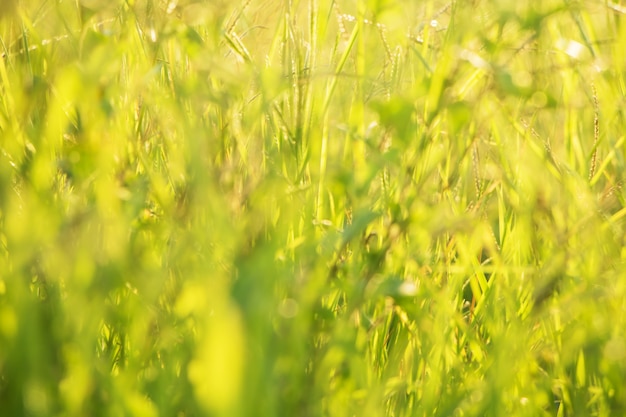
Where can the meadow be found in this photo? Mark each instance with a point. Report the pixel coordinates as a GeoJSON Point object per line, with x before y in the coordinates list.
{"type": "Point", "coordinates": [312, 208]}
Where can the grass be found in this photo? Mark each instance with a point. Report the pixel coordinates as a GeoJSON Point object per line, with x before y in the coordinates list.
{"type": "Point", "coordinates": [312, 208]}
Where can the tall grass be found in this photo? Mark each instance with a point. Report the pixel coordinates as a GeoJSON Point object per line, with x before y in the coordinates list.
{"type": "Point", "coordinates": [312, 208]}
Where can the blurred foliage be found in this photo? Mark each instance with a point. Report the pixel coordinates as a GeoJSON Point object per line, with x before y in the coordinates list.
{"type": "Point", "coordinates": [337, 208]}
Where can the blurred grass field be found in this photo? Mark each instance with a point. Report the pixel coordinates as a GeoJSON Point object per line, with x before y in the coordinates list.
{"type": "Point", "coordinates": [312, 208]}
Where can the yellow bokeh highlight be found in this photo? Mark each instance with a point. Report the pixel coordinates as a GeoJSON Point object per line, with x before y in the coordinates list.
{"type": "Point", "coordinates": [8, 322]}
{"type": "Point", "coordinates": [141, 406]}
{"type": "Point", "coordinates": [77, 384]}
{"type": "Point", "coordinates": [217, 370]}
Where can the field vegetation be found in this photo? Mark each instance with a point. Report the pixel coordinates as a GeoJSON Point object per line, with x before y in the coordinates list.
{"type": "Point", "coordinates": [312, 208]}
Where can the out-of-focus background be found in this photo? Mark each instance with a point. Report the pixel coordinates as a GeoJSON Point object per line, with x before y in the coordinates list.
{"type": "Point", "coordinates": [312, 208]}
